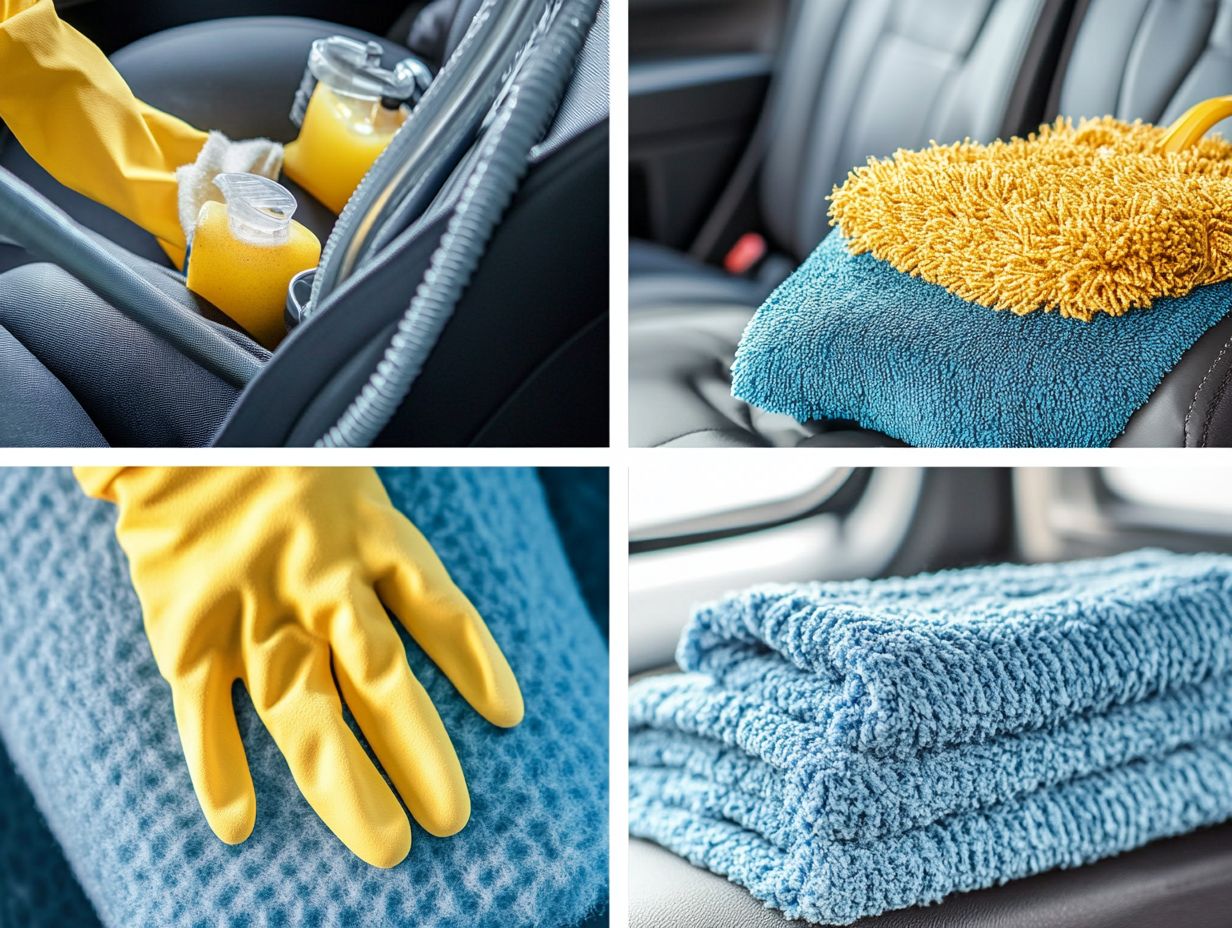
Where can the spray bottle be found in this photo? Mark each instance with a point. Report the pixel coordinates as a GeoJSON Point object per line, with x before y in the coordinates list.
{"type": "Point", "coordinates": [245, 250]}
{"type": "Point", "coordinates": [348, 108]}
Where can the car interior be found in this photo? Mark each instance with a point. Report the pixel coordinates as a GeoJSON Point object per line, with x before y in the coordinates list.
{"type": "Point", "coordinates": [744, 114]}
{"type": "Point", "coordinates": [490, 227]}
{"type": "Point", "coordinates": [692, 540]}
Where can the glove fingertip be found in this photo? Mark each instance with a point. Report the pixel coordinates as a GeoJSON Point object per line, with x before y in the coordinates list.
{"type": "Point", "coordinates": [233, 824]}
{"type": "Point", "coordinates": [445, 816]}
{"type": "Point", "coordinates": [389, 852]}
{"type": "Point", "coordinates": [507, 710]}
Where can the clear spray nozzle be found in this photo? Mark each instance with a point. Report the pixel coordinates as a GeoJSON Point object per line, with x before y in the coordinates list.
{"type": "Point", "coordinates": [259, 210]}
{"type": "Point", "coordinates": [354, 69]}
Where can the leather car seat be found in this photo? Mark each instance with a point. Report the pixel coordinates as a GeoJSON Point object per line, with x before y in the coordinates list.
{"type": "Point", "coordinates": [855, 80]}
{"type": "Point", "coordinates": [1152, 60]}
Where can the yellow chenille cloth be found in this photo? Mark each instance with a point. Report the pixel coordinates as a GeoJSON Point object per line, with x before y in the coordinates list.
{"type": "Point", "coordinates": [1077, 218]}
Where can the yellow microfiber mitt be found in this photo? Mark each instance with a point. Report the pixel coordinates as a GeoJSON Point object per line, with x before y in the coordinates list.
{"type": "Point", "coordinates": [1078, 218]}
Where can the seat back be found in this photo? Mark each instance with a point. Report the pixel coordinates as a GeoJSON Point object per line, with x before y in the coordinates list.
{"type": "Point", "coordinates": [1145, 59]}
{"type": "Point", "coordinates": [523, 359]}
{"type": "Point", "coordinates": [862, 78]}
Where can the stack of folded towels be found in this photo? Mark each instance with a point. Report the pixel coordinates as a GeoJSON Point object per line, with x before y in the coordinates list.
{"type": "Point", "coordinates": [843, 749]}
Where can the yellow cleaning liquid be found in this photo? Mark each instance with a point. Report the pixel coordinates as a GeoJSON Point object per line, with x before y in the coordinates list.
{"type": "Point", "coordinates": [246, 276]}
{"type": "Point", "coordinates": [340, 138]}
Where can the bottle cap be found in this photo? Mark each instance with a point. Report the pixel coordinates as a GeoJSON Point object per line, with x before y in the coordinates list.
{"type": "Point", "coordinates": [354, 69]}
{"type": "Point", "coordinates": [259, 210]}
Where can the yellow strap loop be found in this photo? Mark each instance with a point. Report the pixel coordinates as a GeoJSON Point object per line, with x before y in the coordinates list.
{"type": "Point", "coordinates": [1196, 122]}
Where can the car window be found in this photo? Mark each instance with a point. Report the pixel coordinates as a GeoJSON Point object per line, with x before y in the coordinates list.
{"type": "Point", "coordinates": [1202, 489]}
{"type": "Point", "coordinates": [662, 492]}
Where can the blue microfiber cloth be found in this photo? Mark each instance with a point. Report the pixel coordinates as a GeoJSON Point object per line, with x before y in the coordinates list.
{"type": "Point", "coordinates": [88, 723]}
{"type": "Point", "coordinates": [851, 338]}
{"type": "Point", "coordinates": [843, 749]}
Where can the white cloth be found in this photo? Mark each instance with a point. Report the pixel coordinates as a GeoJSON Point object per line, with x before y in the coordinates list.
{"type": "Point", "coordinates": [220, 155]}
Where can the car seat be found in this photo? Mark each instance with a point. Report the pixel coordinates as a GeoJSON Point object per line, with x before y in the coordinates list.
{"type": "Point", "coordinates": [1152, 60]}
{"type": "Point", "coordinates": [1139, 59]}
{"type": "Point", "coordinates": [522, 362]}
{"type": "Point", "coordinates": [854, 80]}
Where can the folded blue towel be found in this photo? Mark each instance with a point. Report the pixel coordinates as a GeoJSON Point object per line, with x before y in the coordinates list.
{"type": "Point", "coordinates": [88, 723]}
{"type": "Point", "coordinates": [842, 749]}
{"type": "Point", "coordinates": [901, 664]}
{"type": "Point", "coordinates": [851, 338]}
{"type": "Point", "coordinates": [838, 882]}
{"type": "Point", "coordinates": [737, 737]}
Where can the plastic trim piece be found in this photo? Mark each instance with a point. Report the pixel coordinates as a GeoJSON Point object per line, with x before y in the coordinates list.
{"type": "Point", "coordinates": [837, 494]}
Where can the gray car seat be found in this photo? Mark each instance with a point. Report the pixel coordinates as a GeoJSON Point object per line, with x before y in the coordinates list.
{"type": "Point", "coordinates": [856, 79]}
{"type": "Point", "coordinates": [1147, 59]}
{"type": "Point", "coordinates": [1152, 60]}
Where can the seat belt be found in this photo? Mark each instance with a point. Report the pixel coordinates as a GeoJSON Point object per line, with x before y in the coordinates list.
{"type": "Point", "coordinates": [738, 186]}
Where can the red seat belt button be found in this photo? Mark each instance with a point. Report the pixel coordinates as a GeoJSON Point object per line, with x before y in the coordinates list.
{"type": "Point", "coordinates": [743, 256]}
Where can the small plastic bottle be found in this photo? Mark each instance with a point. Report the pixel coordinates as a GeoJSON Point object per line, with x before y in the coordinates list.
{"type": "Point", "coordinates": [245, 251]}
{"type": "Point", "coordinates": [354, 110]}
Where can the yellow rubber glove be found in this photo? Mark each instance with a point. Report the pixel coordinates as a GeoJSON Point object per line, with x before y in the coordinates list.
{"type": "Point", "coordinates": [73, 114]}
{"type": "Point", "coordinates": [280, 578]}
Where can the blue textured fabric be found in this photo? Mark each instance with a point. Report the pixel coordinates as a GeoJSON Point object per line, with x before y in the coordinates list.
{"type": "Point", "coordinates": [578, 498]}
{"type": "Point", "coordinates": [37, 888]}
{"type": "Point", "coordinates": [88, 723]}
{"type": "Point", "coordinates": [851, 338]}
{"type": "Point", "coordinates": [846, 748]}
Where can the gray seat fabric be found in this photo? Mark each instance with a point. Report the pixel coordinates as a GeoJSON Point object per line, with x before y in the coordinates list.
{"type": "Point", "coordinates": [856, 80]}
{"type": "Point", "coordinates": [136, 389]}
{"type": "Point", "coordinates": [38, 409]}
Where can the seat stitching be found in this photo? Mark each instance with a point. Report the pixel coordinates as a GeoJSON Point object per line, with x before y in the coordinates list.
{"type": "Point", "coordinates": [1213, 407]}
{"type": "Point", "coordinates": [1210, 370]}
